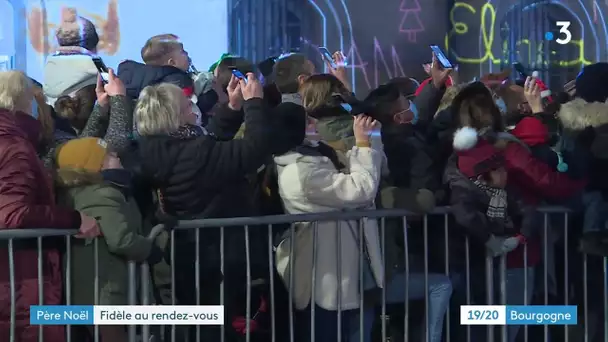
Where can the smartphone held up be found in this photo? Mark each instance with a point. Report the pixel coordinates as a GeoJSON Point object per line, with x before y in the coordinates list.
{"type": "Point", "coordinates": [327, 57]}
{"type": "Point", "coordinates": [102, 68]}
{"type": "Point", "coordinates": [442, 58]}
{"type": "Point", "coordinates": [238, 74]}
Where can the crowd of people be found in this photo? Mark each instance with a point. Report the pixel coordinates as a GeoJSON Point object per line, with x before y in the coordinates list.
{"type": "Point", "coordinates": [159, 141]}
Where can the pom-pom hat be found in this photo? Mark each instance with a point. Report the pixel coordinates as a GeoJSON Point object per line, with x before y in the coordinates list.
{"type": "Point", "coordinates": [76, 31]}
{"type": "Point", "coordinates": [475, 156]}
{"type": "Point", "coordinates": [545, 93]}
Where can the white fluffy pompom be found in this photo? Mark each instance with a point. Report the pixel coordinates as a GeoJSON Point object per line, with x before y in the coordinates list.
{"type": "Point", "coordinates": [535, 74]}
{"type": "Point", "coordinates": [465, 138]}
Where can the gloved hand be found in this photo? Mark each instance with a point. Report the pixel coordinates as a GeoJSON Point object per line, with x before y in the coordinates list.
{"type": "Point", "coordinates": [499, 245]}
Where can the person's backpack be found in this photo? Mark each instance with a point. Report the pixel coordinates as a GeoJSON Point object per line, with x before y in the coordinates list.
{"type": "Point", "coordinates": [268, 199]}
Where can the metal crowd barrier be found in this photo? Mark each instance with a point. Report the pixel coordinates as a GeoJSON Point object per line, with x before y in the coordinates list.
{"type": "Point", "coordinates": [141, 283]}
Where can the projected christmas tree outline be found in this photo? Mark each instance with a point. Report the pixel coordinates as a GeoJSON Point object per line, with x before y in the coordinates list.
{"type": "Point", "coordinates": [411, 22]}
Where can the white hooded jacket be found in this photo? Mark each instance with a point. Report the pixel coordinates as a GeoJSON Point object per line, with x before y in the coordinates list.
{"type": "Point", "coordinates": [66, 74]}
{"type": "Point", "coordinates": [312, 184]}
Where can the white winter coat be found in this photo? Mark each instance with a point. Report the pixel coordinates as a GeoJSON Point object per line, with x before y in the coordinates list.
{"type": "Point", "coordinates": [312, 184]}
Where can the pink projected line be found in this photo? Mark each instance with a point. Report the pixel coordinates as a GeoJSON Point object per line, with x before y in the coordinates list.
{"type": "Point", "coordinates": [381, 68]}
{"type": "Point", "coordinates": [411, 22]}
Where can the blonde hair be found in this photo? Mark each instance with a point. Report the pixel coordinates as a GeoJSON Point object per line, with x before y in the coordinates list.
{"type": "Point", "coordinates": [44, 116]}
{"type": "Point", "coordinates": [157, 49]}
{"type": "Point", "coordinates": [318, 90]}
{"type": "Point", "coordinates": [15, 91]}
{"type": "Point", "coordinates": [158, 109]}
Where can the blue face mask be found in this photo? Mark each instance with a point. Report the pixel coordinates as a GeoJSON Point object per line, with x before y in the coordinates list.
{"type": "Point", "coordinates": [34, 109]}
{"type": "Point", "coordinates": [502, 106]}
{"type": "Point", "coordinates": [347, 107]}
{"type": "Point", "coordinates": [414, 111]}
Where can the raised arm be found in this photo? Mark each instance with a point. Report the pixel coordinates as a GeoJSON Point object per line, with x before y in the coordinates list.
{"type": "Point", "coordinates": [234, 159]}
{"type": "Point", "coordinates": [325, 185]}
{"type": "Point", "coordinates": [112, 117]}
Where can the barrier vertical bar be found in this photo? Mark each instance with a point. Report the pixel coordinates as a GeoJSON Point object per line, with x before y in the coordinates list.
{"type": "Point", "coordinates": [425, 227]}
{"type": "Point", "coordinates": [197, 274]}
{"type": "Point", "coordinates": [406, 311]}
{"type": "Point", "coordinates": [145, 296]}
{"type": "Point", "coordinates": [447, 271]}
{"type": "Point", "coordinates": [68, 281]}
{"type": "Point", "coordinates": [313, 280]}
{"type": "Point", "coordinates": [339, 267]}
{"type": "Point", "coordinates": [585, 299]}
{"type": "Point", "coordinates": [526, 289]}
{"type": "Point", "coordinates": [271, 277]}
{"type": "Point", "coordinates": [11, 281]}
{"type": "Point", "coordinates": [605, 266]}
{"type": "Point", "coordinates": [40, 286]}
{"type": "Point", "coordinates": [383, 245]}
{"type": "Point", "coordinates": [173, 287]}
{"type": "Point", "coordinates": [132, 269]}
{"type": "Point", "coordinates": [566, 270]}
{"type": "Point", "coordinates": [248, 290]}
{"type": "Point", "coordinates": [545, 270]}
{"type": "Point", "coordinates": [223, 271]}
{"type": "Point", "coordinates": [467, 275]}
{"type": "Point", "coordinates": [362, 258]}
{"type": "Point", "coordinates": [96, 284]}
{"type": "Point", "coordinates": [503, 292]}
{"type": "Point", "coordinates": [292, 245]}
{"type": "Point", "coordinates": [489, 293]}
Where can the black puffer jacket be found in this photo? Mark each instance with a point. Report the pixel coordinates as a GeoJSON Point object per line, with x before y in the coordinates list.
{"type": "Point", "coordinates": [193, 173]}
{"type": "Point", "coordinates": [203, 177]}
{"type": "Point", "coordinates": [411, 160]}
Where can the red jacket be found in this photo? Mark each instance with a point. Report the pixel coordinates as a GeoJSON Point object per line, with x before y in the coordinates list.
{"type": "Point", "coordinates": [448, 83]}
{"type": "Point", "coordinates": [535, 181]}
{"type": "Point", "coordinates": [27, 201]}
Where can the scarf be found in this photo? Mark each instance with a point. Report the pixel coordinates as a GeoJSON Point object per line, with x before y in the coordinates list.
{"type": "Point", "coordinates": [293, 98]}
{"type": "Point", "coordinates": [497, 208]}
{"type": "Point", "coordinates": [120, 178]}
{"type": "Point", "coordinates": [189, 132]}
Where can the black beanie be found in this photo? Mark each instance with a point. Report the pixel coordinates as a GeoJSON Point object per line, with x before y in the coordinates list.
{"type": "Point", "coordinates": [591, 84]}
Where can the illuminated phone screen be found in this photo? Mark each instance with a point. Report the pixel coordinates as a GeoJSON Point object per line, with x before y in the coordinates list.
{"type": "Point", "coordinates": [441, 57]}
{"type": "Point", "coordinates": [239, 74]}
{"type": "Point", "coordinates": [328, 57]}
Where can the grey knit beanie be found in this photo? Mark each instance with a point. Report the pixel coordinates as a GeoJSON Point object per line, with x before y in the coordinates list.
{"type": "Point", "coordinates": [76, 31]}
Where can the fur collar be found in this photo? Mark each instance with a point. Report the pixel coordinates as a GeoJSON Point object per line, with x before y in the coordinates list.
{"type": "Point", "coordinates": [578, 114]}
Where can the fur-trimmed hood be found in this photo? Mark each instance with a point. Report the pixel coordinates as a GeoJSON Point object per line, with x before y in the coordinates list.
{"type": "Point", "coordinates": [579, 114]}
{"type": "Point", "coordinates": [448, 97]}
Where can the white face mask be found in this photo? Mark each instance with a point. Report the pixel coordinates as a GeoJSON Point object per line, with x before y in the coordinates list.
{"type": "Point", "coordinates": [502, 106]}
{"type": "Point", "coordinates": [197, 112]}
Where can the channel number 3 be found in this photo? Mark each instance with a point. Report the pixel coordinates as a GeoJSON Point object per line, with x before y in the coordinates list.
{"type": "Point", "coordinates": [564, 32]}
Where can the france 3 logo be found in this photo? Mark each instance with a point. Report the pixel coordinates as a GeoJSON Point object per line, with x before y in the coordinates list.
{"type": "Point", "coordinates": [564, 37]}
